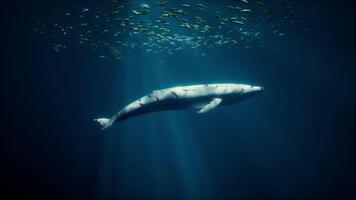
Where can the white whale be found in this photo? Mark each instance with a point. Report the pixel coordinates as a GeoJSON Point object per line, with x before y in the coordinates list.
{"type": "Point", "coordinates": [203, 97]}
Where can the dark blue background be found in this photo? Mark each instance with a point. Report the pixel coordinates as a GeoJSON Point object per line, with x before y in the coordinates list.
{"type": "Point", "coordinates": [294, 141]}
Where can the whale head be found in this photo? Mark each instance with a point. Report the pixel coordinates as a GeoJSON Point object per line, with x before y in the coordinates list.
{"type": "Point", "coordinates": [242, 91]}
{"type": "Point", "coordinates": [249, 89]}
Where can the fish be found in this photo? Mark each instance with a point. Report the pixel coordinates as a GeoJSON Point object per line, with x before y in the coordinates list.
{"type": "Point", "coordinates": [115, 12]}
{"type": "Point", "coordinates": [162, 3]}
{"type": "Point", "coordinates": [137, 12]}
{"type": "Point", "coordinates": [144, 6]}
{"type": "Point", "coordinates": [203, 97]}
{"type": "Point", "coordinates": [200, 6]}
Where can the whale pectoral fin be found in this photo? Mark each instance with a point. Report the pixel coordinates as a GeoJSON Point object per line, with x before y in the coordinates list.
{"type": "Point", "coordinates": [211, 105]}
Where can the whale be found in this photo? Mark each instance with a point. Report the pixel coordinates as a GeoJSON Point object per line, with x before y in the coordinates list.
{"type": "Point", "coordinates": [203, 97]}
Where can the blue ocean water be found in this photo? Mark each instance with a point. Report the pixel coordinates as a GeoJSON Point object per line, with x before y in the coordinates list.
{"type": "Point", "coordinates": [293, 141]}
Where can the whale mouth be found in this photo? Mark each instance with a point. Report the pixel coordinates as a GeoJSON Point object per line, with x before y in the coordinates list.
{"type": "Point", "coordinates": [254, 90]}
{"type": "Point", "coordinates": [257, 89]}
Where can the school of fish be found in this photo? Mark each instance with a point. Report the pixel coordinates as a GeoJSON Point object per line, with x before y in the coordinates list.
{"type": "Point", "coordinates": [166, 27]}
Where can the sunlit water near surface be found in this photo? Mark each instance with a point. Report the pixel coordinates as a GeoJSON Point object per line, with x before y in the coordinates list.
{"type": "Point", "coordinates": [293, 141]}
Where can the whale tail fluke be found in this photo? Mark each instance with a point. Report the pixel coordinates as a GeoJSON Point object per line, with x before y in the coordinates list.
{"type": "Point", "coordinates": [104, 122]}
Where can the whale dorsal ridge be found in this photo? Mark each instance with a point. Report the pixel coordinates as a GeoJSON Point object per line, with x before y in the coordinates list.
{"type": "Point", "coordinates": [211, 105]}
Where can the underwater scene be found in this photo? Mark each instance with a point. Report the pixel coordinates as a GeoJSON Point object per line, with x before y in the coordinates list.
{"type": "Point", "coordinates": [178, 99]}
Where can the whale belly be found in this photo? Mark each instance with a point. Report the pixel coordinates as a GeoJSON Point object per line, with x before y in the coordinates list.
{"type": "Point", "coordinates": [162, 105]}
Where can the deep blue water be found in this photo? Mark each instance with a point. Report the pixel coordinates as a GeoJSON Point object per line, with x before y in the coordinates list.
{"type": "Point", "coordinates": [293, 141]}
